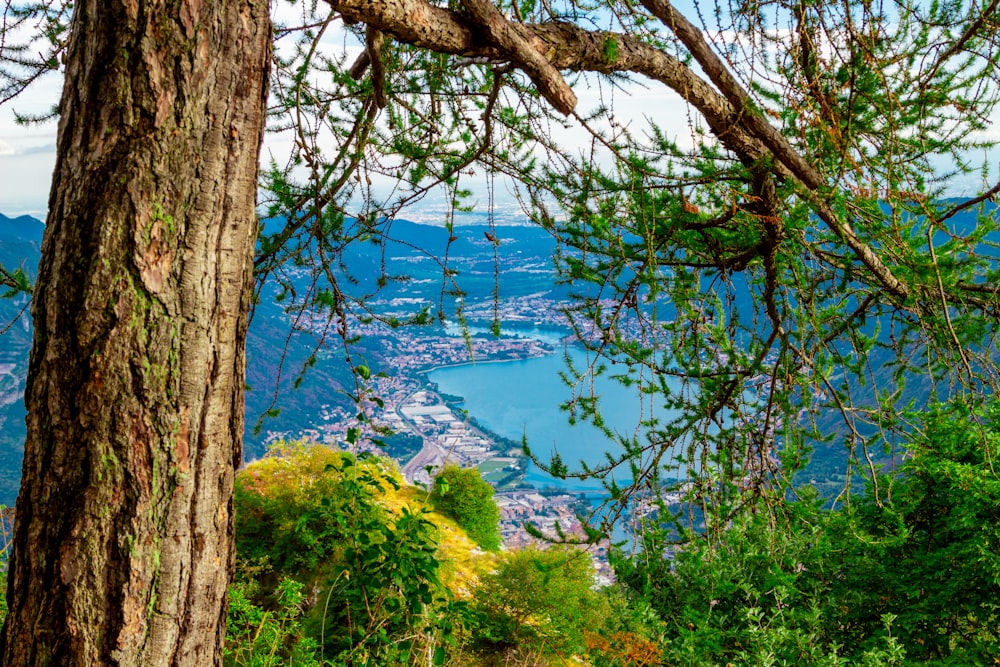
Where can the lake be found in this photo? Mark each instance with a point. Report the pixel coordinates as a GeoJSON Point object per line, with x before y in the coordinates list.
{"type": "Point", "coordinates": [517, 398]}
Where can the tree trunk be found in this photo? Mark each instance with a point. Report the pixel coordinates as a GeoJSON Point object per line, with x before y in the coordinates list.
{"type": "Point", "coordinates": [123, 540]}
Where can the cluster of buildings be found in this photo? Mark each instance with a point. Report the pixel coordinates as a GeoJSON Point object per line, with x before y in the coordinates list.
{"type": "Point", "coordinates": [534, 309]}
{"type": "Point", "coordinates": [407, 405]}
{"type": "Point", "coordinates": [552, 515]}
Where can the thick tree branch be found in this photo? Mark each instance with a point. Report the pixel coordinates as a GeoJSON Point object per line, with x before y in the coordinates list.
{"type": "Point", "coordinates": [776, 144]}
{"type": "Point", "coordinates": [564, 46]}
{"type": "Point", "coordinates": [517, 42]}
{"type": "Point", "coordinates": [373, 47]}
{"type": "Point", "coordinates": [569, 47]}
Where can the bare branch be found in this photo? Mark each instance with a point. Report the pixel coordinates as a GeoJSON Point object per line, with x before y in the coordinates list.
{"type": "Point", "coordinates": [360, 65]}
{"type": "Point", "coordinates": [969, 203]}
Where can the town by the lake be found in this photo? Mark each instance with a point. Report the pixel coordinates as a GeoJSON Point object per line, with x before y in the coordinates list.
{"type": "Point", "coordinates": [408, 403]}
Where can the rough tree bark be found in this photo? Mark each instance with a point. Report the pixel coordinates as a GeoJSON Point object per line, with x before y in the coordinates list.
{"type": "Point", "coordinates": [123, 542]}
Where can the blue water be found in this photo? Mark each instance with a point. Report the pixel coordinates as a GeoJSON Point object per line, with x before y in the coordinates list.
{"type": "Point", "coordinates": [523, 398]}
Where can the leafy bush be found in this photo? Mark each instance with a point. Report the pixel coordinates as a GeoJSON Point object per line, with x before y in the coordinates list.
{"type": "Point", "coordinates": [631, 635]}
{"type": "Point", "coordinates": [259, 638]}
{"type": "Point", "coordinates": [924, 545]}
{"type": "Point", "coordinates": [383, 595]}
{"type": "Point", "coordinates": [330, 572]}
{"type": "Point", "coordinates": [318, 517]}
{"type": "Point", "coordinates": [295, 507]}
{"type": "Point", "coordinates": [467, 498]}
{"type": "Point", "coordinates": [539, 601]}
{"type": "Point", "coordinates": [908, 571]}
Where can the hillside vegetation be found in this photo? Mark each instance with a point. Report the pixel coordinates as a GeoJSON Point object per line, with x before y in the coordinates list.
{"type": "Point", "coordinates": [341, 563]}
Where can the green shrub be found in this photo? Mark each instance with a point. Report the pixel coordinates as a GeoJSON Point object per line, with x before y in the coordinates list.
{"type": "Point", "coordinates": [309, 516]}
{"type": "Point", "coordinates": [295, 507]}
{"type": "Point", "coordinates": [259, 638]}
{"type": "Point", "coordinates": [908, 571]}
{"type": "Point", "coordinates": [466, 497]}
{"type": "Point", "coordinates": [539, 601]}
{"type": "Point", "coordinates": [924, 545]}
{"type": "Point", "coordinates": [383, 594]}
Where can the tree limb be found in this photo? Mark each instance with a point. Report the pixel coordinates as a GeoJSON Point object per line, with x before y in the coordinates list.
{"type": "Point", "coordinates": [373, 46]}
{"type": "Point", "coordinates": [776, 144]}
{"type": "Point", "coordinates": [568, 47]}
{"type": "Point", "coordinates": [564, 46]}
{"type": "Point", "coordinates": [516, 41]}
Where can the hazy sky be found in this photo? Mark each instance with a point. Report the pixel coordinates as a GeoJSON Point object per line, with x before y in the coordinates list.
{"type": "Point", "coordinates": [27, 154]}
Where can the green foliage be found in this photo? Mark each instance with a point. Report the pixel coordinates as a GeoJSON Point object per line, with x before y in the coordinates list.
{"type": "Point", "coordinates": [259, 638]}
{"type": "Point", "coordinates": [467, 498]}
{"type": "Point", "coordinates": [380, 599]}
{"type": "Point", "coordinates": [632, 633]}
{"type": "Point", "coordinates": [924, 545]}
{"type": "Point", "coordinates": [309, 516]}
{"type": "Point", "coordinates": [15, 282]}
{"type": "Point", "coordinates": [538, 601]}
{"type": "Point", "coordinates": [33, 37]}
{"type": "Point", "coordinates": [295, 507]}
{"type": "Point", "coordinates": [3, 596]}
{"type": "Point", "coordinates": [911, 569]}
{"type": "Point", "coordinates": [741, 597]}
{"type": "Point", "coordinates": [907, 572]}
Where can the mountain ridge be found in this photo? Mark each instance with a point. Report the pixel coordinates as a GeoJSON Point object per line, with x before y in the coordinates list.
{"type": "Point", "coordinates": [272, 370]}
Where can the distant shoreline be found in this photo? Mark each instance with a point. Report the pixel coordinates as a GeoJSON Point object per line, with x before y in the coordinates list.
{"type": "Point", "coordinates": [431, 369]}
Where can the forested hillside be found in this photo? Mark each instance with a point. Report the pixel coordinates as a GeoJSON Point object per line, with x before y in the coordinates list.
{"type": "Point", "coordinates": [339, 562]}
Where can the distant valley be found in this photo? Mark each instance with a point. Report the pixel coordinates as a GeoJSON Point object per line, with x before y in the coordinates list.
{"type": "Point", "coordinates": [300, 382]}
{"type": "Point", "coordinates": [289, 398]}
